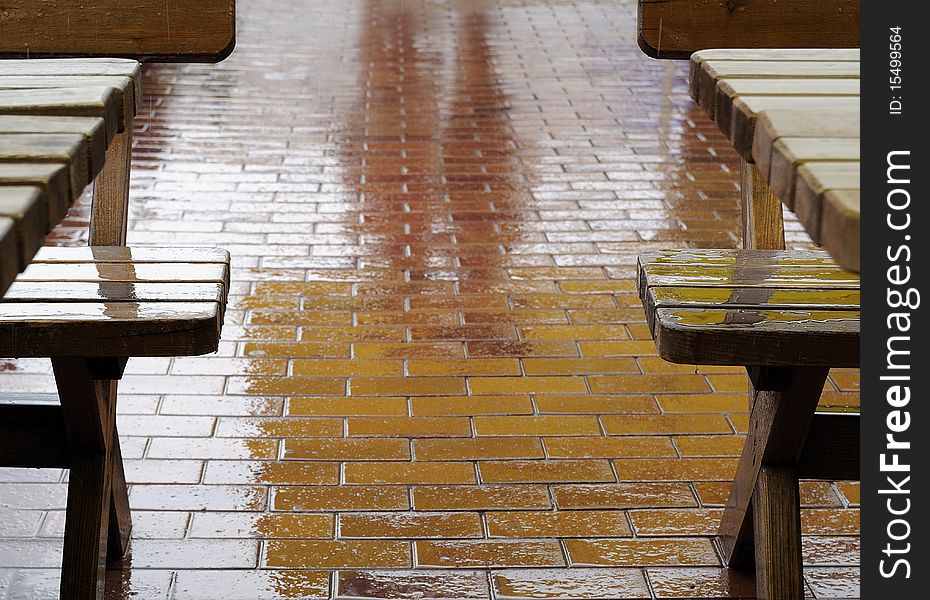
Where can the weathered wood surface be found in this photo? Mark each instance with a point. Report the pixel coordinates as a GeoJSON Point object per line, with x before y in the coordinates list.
{"type": "Point", "coordinates": [64, 123]}
{"type": "Point", "coordinates": [26, 206]}
{"type": "Point", "coordinates": [119, 308]}
{"type": "Point", "coordinates": [803, 136]}
{"type": "Point", "coordinates": [169, 31]}
{"type": "Point", "coordinates": [51, 178]}
{"type": "Point", "coordinates": [676, 28]}
{"type": "Point", "coordinates": [758, 312]}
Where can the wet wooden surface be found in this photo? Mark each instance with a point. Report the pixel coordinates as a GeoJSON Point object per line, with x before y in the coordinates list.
{"type": "Point", "coordinates": [777, 308]}
{"type": "Point", "coordinates": [676, 28]}
{"type": "Point", "coordinates": [96, 308]}
{"type": "Point", "coordinates": [796, 117]}
{"type": "Point", "coordinates": [57, 120]}
{"type": "Point", "coordinates": [173, 30]}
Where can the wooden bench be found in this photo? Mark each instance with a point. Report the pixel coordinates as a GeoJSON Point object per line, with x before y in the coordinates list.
{"type": "Point", "coordinates": [786, 316]}
{"type": "Point", "coordinates": [89, 309]}
{"type": "Point", "coordinates": [66, 122]}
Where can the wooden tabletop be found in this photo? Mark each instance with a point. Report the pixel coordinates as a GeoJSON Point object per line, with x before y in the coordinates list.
{"type": "Point", "coordinates": [795, 114]}
{"type": "Point", "coordinates": [57, 119]}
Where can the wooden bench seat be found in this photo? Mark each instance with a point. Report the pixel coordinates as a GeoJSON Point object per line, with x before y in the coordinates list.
{"type": "Point", "coordinates": [788, 316]}
{"type": "Point", "coordinates": [90, 309]}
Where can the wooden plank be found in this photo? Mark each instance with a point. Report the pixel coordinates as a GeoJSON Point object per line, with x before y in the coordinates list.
{"type": "Point", "coordinates": [676, 28]}
{"type": "Point", "coordinates": [775, 124]}
{"type": "Point", "coordinates": [85, 291]}
{"type": "Point", "coordinates": [9, 259]}
{"type": "Point", "coordinates": [77, 67]}
{"type": "Point", "coordinates": [60, 254]}
{"type": "Point", "coordinates": [778, 54]}
{"type": "Point", "coordinates": [735, 297]}
{"type": "Point", "coordinates": [840, 226]}
{"type": "Point", "coordinates": [727, 89]}
{"type": "Point", "coordinates": [109, 329]}
{"type": "Point", "coordinates": [172, 30]}
{"type": "Point", "coordinates": [68, 149]}
{"type": "Point", "coordinates": [748, 276]}
{"type": "Point", "coordinates": [92, 128]}
{"type": "Point", "coordinates": [812, 182]}
{"type": "Point", "coordinates": [29, 212]}
{"type": "Point", "coordinates": [789, 153]}
{"type": "Point", "coordinates": [827, 338]}
{"type": "Point", "coordinates": [68, 102]}
{"type": "Point", "coordinates": [126, 272]}
{"type": "Point", "coordinates": [739, 118]}
{"type": "Point", "coordinates": [123, 87]}
{"type": "Point", "coordinates": [52, 178]}
{"type": "Point", "coordinates": [712, 71]}
{"type": "Point", "coordinates": [708, 256]}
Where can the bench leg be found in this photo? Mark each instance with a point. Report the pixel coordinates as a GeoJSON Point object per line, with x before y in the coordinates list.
{"type": "Point", "coordinates": [784, 401]}
{"type": "Point", "coordinates": [763, 222]}
{"type": "Point", "coordinates": [120, 518]}
{"type": "Point", "coordinates": [777, 525]}
{"type": "Point", "coordinates": [90, 414]}
{"type": "Point", "coordinates": [110, 209]}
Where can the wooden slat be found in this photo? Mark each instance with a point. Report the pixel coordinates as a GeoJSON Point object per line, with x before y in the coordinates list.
{"type": "Point", "coordinates": [707, 256]}
{"type": "Point", "coordinates": [92, 128]}
{"type": "Point", "coordinates": [58, 254]}
{"type": "Point", "coordinates": [676, 28]}
{"type": "Point", "coordinates": [827, 338]}
{"type": "Point", "coordinates": [840, 226]}
{"type": "Point", "coordinates": [50, 177]}
{"type": "Point", "coordinates": [69, 102]}
{"type": "Point", "coordinates": [789, 153]}
{"type": "Point", "coordinates": [29, 211]}
{"type": "Point", "coordinates": [733, 297]}
{"type": "Point", "coordinates": [77, 67]}
{"type": "Point", "coordinates": [126, 272]}
{"type": "Point", "coordinates": [739, 118]}
{"type": "Point", "coordinates": [66, 149]}
{"type": "Point", "coordinates": [123, 87]}
{"type": "Point", "coordinates": [774, 124]}
{"type": "Point", "coordinates": [727, 89]}
{"type": "Point", "coordinates": [778, 54]}
{"type": "Point", "coordinates": [749, 276]}
{"type": "Point", "coordinates": [103, 329]}
{"type": "Point", "coordinates": [82, 291]}
{"type": "Point", "coordinates": [812, 182]}
{"type": "Point", "coordinates": [711, 71]}
{"type": "Point", "coordinates": [9, 260]}
{"type": "Point", "coordinates": [172, 30]}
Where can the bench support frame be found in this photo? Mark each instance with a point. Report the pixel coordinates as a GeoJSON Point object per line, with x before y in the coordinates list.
{"type": "Point", "coordinates": [97, 495]}
{"type": "Point", "coordinates": [761, 522]}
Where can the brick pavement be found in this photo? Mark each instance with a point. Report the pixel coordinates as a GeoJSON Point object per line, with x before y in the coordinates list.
{"type": "Point", "coordinates": [435, 379]}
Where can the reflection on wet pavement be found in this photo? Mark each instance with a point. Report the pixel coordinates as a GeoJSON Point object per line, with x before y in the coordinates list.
{"type": "Point", "coordinates": [435, 379]}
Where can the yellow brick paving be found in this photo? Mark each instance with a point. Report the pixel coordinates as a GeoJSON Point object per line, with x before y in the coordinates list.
{"type": "Point", "coordinates": [435, 379]}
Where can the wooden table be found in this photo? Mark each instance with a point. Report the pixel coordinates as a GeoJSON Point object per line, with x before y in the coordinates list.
{"type": "Point", "coordinates": [64, 123]}
{"type": "Point", "coordinates": [793, 116]}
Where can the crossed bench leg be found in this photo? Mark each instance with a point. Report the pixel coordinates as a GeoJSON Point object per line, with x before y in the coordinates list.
{"type": "Point", "coordinates": [98, 521]}
{"type": "Point", "coordinates": [764, 505]}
